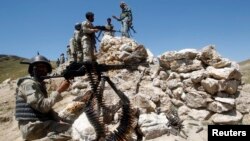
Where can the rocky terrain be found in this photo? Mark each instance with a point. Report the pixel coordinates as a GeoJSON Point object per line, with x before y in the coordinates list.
{"type": "Point", "coordinates": [199, 86]}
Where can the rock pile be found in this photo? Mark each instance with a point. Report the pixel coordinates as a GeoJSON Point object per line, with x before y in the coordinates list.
{"type": "Point", "coordinates": [205, 83]}
{"type": "Point", "coordinates": [201, 86]}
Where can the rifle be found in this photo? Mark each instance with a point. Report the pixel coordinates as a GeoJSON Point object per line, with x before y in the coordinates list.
{"type": "Point", "coordinates": [103, 28]}
{"type": "Point", "coordinates": [132, 27]}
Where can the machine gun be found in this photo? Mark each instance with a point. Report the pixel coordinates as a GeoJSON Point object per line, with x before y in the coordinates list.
{"type": "Point", "coordinates": [79, 69]}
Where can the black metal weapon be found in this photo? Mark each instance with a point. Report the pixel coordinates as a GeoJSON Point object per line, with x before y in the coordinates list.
{"type": "Point", "coordinates": [79, 69]}
{"type": "Point", "coordinates": [132, 27]}
{"type": "Point", "coordinates": [103, 28]}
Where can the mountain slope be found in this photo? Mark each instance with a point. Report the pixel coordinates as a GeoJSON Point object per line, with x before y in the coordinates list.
{"type": "Point", "coordinates": [10, 67]}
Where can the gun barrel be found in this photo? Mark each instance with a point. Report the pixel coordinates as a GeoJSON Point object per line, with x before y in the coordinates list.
{"type": "Point", "coordinates": [105, 68]}
{"type": "Point", "coordinates": [103, 28]}
{"type": "Point", "coordinates": [27, 63]}
{"type": "Point", "coordinates": [48, 77]}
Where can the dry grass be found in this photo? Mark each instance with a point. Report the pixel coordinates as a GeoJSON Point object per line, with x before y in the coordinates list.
{"type": "Point", "coordinates": [10, 67]}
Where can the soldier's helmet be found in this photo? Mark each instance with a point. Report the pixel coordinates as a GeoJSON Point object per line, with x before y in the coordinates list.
{"type": "Point", "coordinates": [78, 26]}
{"type": "Point", "coordinates": [39, 59]}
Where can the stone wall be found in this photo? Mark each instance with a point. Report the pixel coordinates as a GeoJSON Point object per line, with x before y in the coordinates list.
{"type": "Point", "coordinates": [202, 86]}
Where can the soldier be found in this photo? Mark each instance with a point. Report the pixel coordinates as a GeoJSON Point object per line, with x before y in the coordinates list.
{"type": "Point", "coordinates": [110, 27]}
{"type": "Point", "coordinates": [88, 39]}
{"type": "Point", "coordinates": [34, 113]}
{"type": "Point", "coordinates": [62, 59]}
{"type": "Point", "coordinates": [58, 62]}
{"type": "Point", "coordinates": [75, 43]}
{"type": "Point", "coordinates": [125, 18]}
{"type": "Point", "coordinates": [69, 53]}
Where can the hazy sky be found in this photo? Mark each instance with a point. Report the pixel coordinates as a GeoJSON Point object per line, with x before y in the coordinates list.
{"type": "Point", "coordinates": [28, 26]}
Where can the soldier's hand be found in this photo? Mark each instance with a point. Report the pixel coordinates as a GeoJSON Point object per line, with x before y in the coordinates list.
{"type": "Point", "coordinates": [63, 86]}
{"type": "Point", "coordinates": [95, 30]}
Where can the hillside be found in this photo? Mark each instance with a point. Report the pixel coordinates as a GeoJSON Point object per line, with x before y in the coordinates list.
{"type": "Point", "coordinates": [244, 68]}
{"type": "Point", "coordinates": [10, 67]}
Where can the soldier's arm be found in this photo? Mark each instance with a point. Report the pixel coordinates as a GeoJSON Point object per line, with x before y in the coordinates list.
{"type": "Point", "coordinates": [36, 98]}
{"type": "Point", "coordinates": [118, 19]}
{"type": "Point", "coordinates": [87, 29]}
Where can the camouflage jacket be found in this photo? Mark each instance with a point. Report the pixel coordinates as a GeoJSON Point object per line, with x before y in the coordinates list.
{"type": "Point", "coordinates": [88, 33]}
{"type": "Point", "coordinates": [35, 95]}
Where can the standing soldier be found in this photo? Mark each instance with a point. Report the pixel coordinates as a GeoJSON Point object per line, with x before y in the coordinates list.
{"type": "Point", "coordinates": [88, 39]}
{"type": "Point", "coordinates": [76, 43]}
{"type": "Point", "coordinates": [69, 53]}
{"type": "Point", "coordinates": [58, 62]}
{"type": "Point", "coordinates": [62, 59]}
{"type": "Point", "coordinates": [109, 28]}
{"type": "Point", "coordinates": [125, 18]}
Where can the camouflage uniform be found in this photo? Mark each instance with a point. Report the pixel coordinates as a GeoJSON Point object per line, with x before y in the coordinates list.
{"type": "Point", "coordinates": [126, 20]}
{"type": "Point", "coordinates": [69, 52]}
{"type": "Point", "coordinates": [73, 50]}
{"type": "Point", "coordinates": [58, 62]}
{"type": "Point", "coordinates": [34, 113]}
{"type": "Point", "coordinates": [88, 41]}
{"type": "Point", "coordinates": [62, 59]}
{"type": "Point", "coordinates": [76, 41]}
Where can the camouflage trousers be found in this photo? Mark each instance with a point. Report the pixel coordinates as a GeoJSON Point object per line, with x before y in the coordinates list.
{"type": "Point", "coordinates": [88, 50]}
{"type": "Point", "coordinates": [79, 56]}
{"type": "Point", "coordinates": [45, 130]}
{"type": "Point", "coordinates": [73, 57]}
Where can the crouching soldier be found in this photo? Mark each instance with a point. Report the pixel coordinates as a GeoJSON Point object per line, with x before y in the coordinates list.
{"type": "Point", "coordinates": [34, 113]}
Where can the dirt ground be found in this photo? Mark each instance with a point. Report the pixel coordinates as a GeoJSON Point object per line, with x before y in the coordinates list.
{"type": "Point", "coordinates": [8, 125]}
